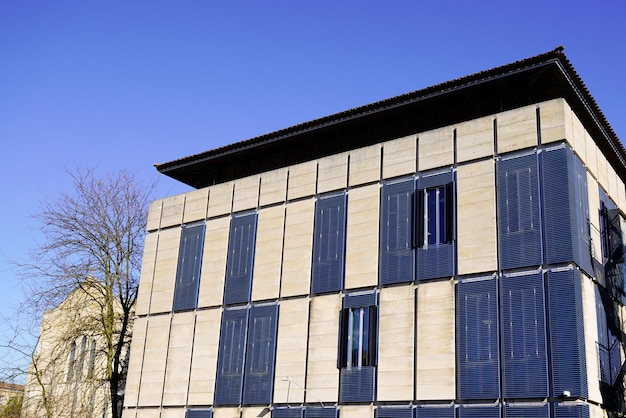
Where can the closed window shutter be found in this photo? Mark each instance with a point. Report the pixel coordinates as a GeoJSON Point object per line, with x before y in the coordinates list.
{"type": "Point", "coordinates": [260, 353]}
{"type": "Point", "coordinates": [434, 411]}
{"type": "Point", "coordinates": [518, 212]}
{"type": "Point", "coordinates": [188, 270]}
{"type": "Point", "coordinates": [320, 412]}
{"type": "Point", "coordinates": [199, 413]}
{"type": "Point", "coordinates": [527, 411]}
{"type": "Point", "coordinates": [397, 257]}
{"type": "Point", "coordinates": [397, 412]}
{"type": "Point", "coordinates": [479, 411]}
{"type": "Point", "coordinates": [478, 349]}
{"type": "Point", "coordinates": [329, 244]}
{"type": "Point", "coordinates": [287, 412]}
{"type": "Point", "coordinates": [568, 410]}
{"type": "Point", "coordinates": [524, 348]}
{"type": "Point", "coordinates": [230, 363]}
{"type": "Point", "coordinates": [241, 243]}
{"type": "Point", "coordinates": [566, 329]}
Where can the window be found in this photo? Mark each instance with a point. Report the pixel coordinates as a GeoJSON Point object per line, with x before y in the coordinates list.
{"type": "Point", "coordinates": [92, 360]}
{"type": "Point", "coordinates": [71, 362]}
{"type": "Point", "coordinates": [241, 243]}
{"type": "Point", "coordinates": [524, 355]}
{"type": "Point", "coordinates": [199, 413]}
{"type": "Point", "coordinates": [329, 244]}
{"type": "Point", "coordinates": [397, 256]}
{"type": "Point", "coordinates": [358, 333]}
{"type": "Point", "coordinates": [246, 356]}
{"type": "Point", "coordinates": [477, 340]}
{"type": "Point", "coordinates": [519, 226]}
{"type": "Point", "coordinates": [612, 246]}
{"type": "Point", "coordinates": [188, 270]}
{"type": "Point", "coordinates": [434, 226]}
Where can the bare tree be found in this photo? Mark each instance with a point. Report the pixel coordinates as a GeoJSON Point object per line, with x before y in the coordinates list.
{"type": "Point", "coordinates": [92, 244]}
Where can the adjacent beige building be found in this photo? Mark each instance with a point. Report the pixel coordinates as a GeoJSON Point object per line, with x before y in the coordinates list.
{"type": "Point", "coordinates": [452, 252]}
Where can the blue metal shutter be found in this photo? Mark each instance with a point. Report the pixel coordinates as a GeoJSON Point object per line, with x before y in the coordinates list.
{"type": "Point", "coordinates": [558, 214]}
{"type": "Point", "coordinates": [432, 411]}
{"type": "Point", "coordinates": [260, 353]}
{"type": "Point", "coordinates": [397, 258]}
{"type": "Point", "coordinates": [188, 270]}
{"type": "Point", "coordinates": [329, 244]}
{"type": "Point", "coordinates": [395, 412]}
{"type": "Point", "coordinates": [570, 410]}
{"type": "Point", "coordinates": [566, 329]}
{"type": "Point", "coordinates": [230, 361]}
{"type": "Point", "coordinates": [199, 413]}
{"type": "Point", "coordinates": [479, 411]}
{"type": "Point", "coordinates": [241, 243]}
{"type": "Point", "coordinates": [527, 411]}
{"type": "Point", "coordinates": [519, 226]}
{"type": "Point", "coordinates": [320, 412]}
{"type": "Point", "coordinates": [524, 355]}
{"type": "Point", "coordinates": [580, 207]}
{"type": "Point", "coordinates": [477, 342]}
{"type": "Point", "coordinates": [286, 412]}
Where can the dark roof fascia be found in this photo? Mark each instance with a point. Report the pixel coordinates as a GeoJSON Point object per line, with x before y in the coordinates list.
{"type": "Point", "coordinates": [183, 169]}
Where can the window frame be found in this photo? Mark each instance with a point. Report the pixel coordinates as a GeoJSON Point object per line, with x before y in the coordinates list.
{"type": "Point", "coordinates": [189, 267]}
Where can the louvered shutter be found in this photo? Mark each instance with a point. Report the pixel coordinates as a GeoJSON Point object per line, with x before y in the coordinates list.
{"type": "Point", "coordinates": [524, 352]}
{"type": "Point", "coordinates": [320, 412]}
{"type": "Point", "coordinates": [188, 270]}
{"type": "Point", "coordinates": [479, 411]}
{"type": "Point", "coordinates": [434, 411]}
{"type": "Point", "coordinates": [571, 410]}
{"type": "Point", "coordinates": [241, 243]}
{"type": "Point", "coordinates": [260, 354]}
{"type": "Point", "coordinates": [230, 362]}
{"type": "Point", "coordinates": [287, 412]}
{"type": "Point", "coordinates": [527, 411]}
{"type": "Point", "coordinates": [397, 257]}
{"type": "Point", "coordinates": [329, 244]}
{"type": "Point", "coordinates": [518, 212]}
{"type": "Point", "coordinates": [199, 413]}
{"type": "Point", "coordinates": [394, 412]}
{"type": "Point", "coordinates": [477, 342]}
{"type": "Point", "coordinates": [567, 339]}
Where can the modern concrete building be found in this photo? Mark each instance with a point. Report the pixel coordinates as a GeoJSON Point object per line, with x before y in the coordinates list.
{"type": "Point", "coordinates": [451, 252]}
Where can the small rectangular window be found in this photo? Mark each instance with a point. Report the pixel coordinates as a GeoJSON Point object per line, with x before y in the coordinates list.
{"type": "Point", "coordinates": [188, 270]}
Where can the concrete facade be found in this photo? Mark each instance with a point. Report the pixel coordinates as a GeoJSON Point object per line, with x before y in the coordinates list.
{"type": "Point", "coordinates": [442, 340]}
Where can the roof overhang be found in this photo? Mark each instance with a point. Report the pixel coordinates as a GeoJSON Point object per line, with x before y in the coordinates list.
{"type": "Point", "coordinates": [533, 80]}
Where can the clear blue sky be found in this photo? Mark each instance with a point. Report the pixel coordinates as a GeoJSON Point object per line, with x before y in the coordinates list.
{"type": "Point", "coordinates": [126, 84]}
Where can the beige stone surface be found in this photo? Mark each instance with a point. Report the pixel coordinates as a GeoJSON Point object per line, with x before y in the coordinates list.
{"type": "Point", "coordinates": [246, 193]}
{"type": "Point", "coordinates": [396, 339]}
{"type": "Point", "coordinates": [476, 217]}
{"type": "Point", "coordinates": [268, 254]}
{"type": "Point", "coordinates": [298, 248]}
{"type": "Point", "coordinates": [435, 359]}
{"type": "Point", "coordinates": [591, 337]}
{"type": "Point", "coordinates": [578, 137]}
{"type": "Point", "coordinates": [173, 413]}
{"type": "Point", "coordinates": [155, 355]}
{"type": "Point", "coordinates": [356, 411]}
{"type": "Point", "coordinates": [179, 359]}
{"type": "Point", "coordinates": [129, 413]}
{"type": "Point", "coordinates": [204, 357]}
{"type": "Point", "coordinates": [148, 413]}
{"type": "Point", "coordinates": [136, 361]}
{"type": "Point", "coordinates": [555, 121]}
{"type": "Point", "coordinates": [226, 413]}
{"type": "Point", "coordinates": [323, 375]}
{"type": "Point", "coordinates": [332, 173]}
{"type": "Point", "coordinates": [517, 129]}
{"type": "Point", "coordinates": [291, 349]}
{"type": "Point", "coordinates": [302, 180]}
{"type": "Point", "coordinates": [365, 165]}
{"type": "Point", "coordinates": [362, 237]}
{"type": "Point", "coordinates": [602, 171]}
{"type": "Point", "coordinates": [214, 255]}
{"type": "Point", "coordinates": [154, 215]}
{"type": "Point", "coordinates": [273, 187]}
{"type": "Point", "coordinates": [196, 203]}
{"type": "Point", "coordinates": [592, 155]}
{"type": "Point", "coordinates": [474, 139]}
{"type": "Point", "coordinates": [220, 199]}
{"type": "Point", "coordinates": [400, 156]}
{"type": "Point", "coordinates": [435, 148]}
{"type": "Point", "coordinates": [144, 291]}
{"type": "Point", "coordinates": [172, 211]}
{"type": "Point", "coordinates": [165, 270]}
{"type": "Point", "coordinates": [612, 181]}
